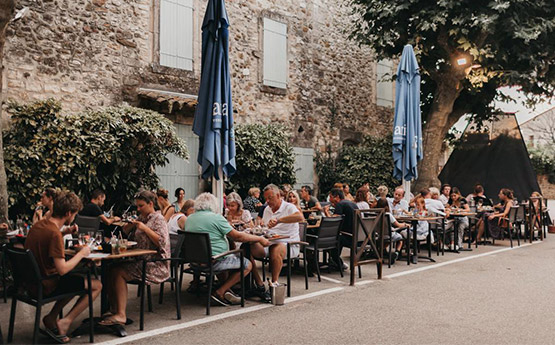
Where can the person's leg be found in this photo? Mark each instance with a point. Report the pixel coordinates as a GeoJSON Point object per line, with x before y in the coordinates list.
{"type": "Point", "coordinates": [49, 320]}
{"type": "Point", "coordinates": [257, 251]}
{"type": "Point", "coordinates": [277, 253]}
{"type": "Point", "coordinates": [81, 304]}
{"type": "Point", "coordinates": [119, 277]}
{"type": "Point", "coordinates": [233, 278]}
{"type": "Point", "coordinates": [481, 226]}
{"type": "Point", "coordinates": [399, 246]}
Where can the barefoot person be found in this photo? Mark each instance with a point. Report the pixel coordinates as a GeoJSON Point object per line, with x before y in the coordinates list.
{"type": "Point", "coordinates": [46, 244]}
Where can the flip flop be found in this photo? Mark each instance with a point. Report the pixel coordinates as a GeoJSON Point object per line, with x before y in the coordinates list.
{"type": "Point", "coordinates": [53, 334]}
{"type": "Point", "coordinates": [110, 322]}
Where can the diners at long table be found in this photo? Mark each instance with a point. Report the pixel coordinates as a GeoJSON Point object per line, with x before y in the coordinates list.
{"type": "Point", "coordinates": [150, 231]}
{"type": "Point", "coordinates": [207, 219]}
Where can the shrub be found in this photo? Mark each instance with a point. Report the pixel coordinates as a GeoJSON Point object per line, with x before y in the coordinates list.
{"type": "Point", "coordinates": [543, 162]}
{"type": "Point", "coordinates": [115, 149]}
{"type": "Point", "coordinates": [370, 162]}
{"type": "Point", "coordinates": [263, 155]}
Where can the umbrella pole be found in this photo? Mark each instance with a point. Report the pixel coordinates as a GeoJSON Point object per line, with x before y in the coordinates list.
{"type": "Point", "coordinates": [405, 183]}
{"type": "Point", "coordinates": [218, 189]}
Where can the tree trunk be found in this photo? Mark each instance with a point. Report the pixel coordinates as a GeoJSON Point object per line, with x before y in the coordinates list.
{"type": "Point", "coordinates": [434, 131]}
{"type": "Point", "coordinates": [6, 13]}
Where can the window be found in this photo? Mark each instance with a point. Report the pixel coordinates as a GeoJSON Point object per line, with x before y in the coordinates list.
{"type": "Point", "coordinates": [275, 54]}
{"type": "Point", "coordinates": [384, 84]}
{"type": "Point", "coordinates": [176, 34]}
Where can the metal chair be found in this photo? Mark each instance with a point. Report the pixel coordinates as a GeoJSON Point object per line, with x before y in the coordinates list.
{"type": "Point", "coordinates": [26, 274]}
{"type": "Point", "coordinates": [87, 224]}
{"type": "Point", "coordinates": [326, 239]}
{"type": "Point", "coordinates": [197, 251]}
{"type": "Point", "coordinates": [289, 260]}
{"type": "Point", "coordinates": [388, 239]}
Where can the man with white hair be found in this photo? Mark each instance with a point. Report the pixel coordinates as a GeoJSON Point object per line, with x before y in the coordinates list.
{"type": "Point", "coordinates": [397, 204]}
{"type": "Point", "coordinates": [283, 219]}
{"type": "Point", "coordinates": [207, 219]}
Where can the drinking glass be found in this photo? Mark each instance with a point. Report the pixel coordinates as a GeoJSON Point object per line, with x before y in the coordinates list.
{"type": "Point", "coordinates": [99, 237]}
{"type": "Point", "coordinates": [82, 239]}
{"type": "Point", "coordinates": [122, 245]}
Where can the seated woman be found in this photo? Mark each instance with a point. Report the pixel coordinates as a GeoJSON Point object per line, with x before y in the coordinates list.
{"type": "Point", "coordinates": [361, 198]}
{"type": "Point", "coordinates": [496, 221]}
{"type": "Point", "coordinates": [235, 214]}
{"type": "Point", "coordinates": [44, 206]}
{"type": "Point", "coordinates": [180, 199]}
{"type": "Point", "coordinates": [166, 208]}
{"type": "Point", "coordinates": [422, 228]}
{"type": "Point", "coordinates": [395, 236]}
{"type": "Point", "coordinates": [457, 202]}
{"type": "Point", "coordinates": [293, 198]}
{"type": "Point", "coordinates": [176, 224]}
{"type": "Point", "coordinates": [536, 198]}
{"type": "Point", "coordinates": [150, 231]}
{"type": "Point", "coordinates": [252, 202]}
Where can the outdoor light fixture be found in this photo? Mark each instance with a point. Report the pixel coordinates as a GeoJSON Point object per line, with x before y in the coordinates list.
{"type": "Point", "coordinates": [461, 61]}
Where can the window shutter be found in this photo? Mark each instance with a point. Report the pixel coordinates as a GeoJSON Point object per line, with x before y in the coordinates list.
{"type": "Point", "coordinates": [176, 34]}
{"type": "Point", "coordinates": [275, 54]}
{"type": "Point", "coordinates": [384, 88]}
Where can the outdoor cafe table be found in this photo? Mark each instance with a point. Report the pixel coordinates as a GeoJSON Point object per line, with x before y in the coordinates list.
{"type": "Point", "coordinates": [457, 216]}
{"type": "Point", "coordinates": [103, 258]}
{"type": "Point", "coordinates": [414, 222]}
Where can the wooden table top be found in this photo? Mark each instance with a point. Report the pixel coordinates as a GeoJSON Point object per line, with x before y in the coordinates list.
{"type": "Point", "coordinates": [418, 218]}
{"type": "Point", "coordinates": [127, 254]}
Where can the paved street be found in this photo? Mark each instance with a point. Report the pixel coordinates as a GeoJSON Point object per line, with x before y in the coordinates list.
{"type": "Point", "coordinates": [491, 295]}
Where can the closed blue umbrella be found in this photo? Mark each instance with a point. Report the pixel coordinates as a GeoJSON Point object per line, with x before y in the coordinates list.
{"type": "Point", "coordinates": [407, 124]}
{"type": "Point", "coordinates": [213, 121]}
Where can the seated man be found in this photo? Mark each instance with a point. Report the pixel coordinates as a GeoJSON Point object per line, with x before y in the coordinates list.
{"type": "Point", "coordinates": [206, 219]}
{"type": "Point", "coordinates": [282, 218]}
{"type": "Point", "coordinates": [94, 209]}
{"type": "Point", "coordinates": [308, 202]}
{"type": "Point", "coordinates": [397, 204]}
{"type": "Point", "coordinates": [45, 242]}
{"type": "Point", "coordinates": [346, 209]}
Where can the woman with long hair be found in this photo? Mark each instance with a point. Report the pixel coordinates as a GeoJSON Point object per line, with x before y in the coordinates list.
{"type": "Point", "coordinates": [166, 208]}
{"type": "Point", "coordinates": [497, 220]}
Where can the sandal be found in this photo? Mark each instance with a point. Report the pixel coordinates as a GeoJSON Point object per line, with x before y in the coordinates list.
{"type": "Point", "coordinates": [53, 334]}
{"type": "Point", "coordinates": [110, 322]}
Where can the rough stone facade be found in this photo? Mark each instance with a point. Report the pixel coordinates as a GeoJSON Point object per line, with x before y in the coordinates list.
{"type": "Point", "coordinates": [91, 53]}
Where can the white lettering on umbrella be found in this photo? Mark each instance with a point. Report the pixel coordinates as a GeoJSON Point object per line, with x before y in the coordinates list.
{"type": "Point", "coordinates": [402, 131]}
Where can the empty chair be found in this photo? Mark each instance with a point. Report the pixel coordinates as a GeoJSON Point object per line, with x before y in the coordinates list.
{"type": "Point", "coordinates": [326, 239]}
{"type": "Point", "coordinates": [87, 224]}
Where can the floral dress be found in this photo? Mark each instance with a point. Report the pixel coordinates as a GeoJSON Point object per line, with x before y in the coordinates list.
{"type": "Point", "coordinates": [156, 272]}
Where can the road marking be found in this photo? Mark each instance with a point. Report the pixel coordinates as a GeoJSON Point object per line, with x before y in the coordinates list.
{"type": "Point", "coordinates": [441, 264]}
{"type": "Point", "coordinates": [213, 318]}
{"type": "Point", "coordinates": [331, 279]}
{"type": "Point", "coordinates": [364, 282]}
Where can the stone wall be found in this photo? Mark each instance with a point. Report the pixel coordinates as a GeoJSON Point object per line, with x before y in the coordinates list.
{"type": "Point", "coordinates": [548, 189]}
{"type": "Point", "coordinates": [91, 53]}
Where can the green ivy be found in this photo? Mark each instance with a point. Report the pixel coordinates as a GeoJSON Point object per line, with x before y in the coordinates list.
{"type": "Point", "coordinates": [371, 162]}
{"type": "Point", "coordinates": [263, 155]}
{"type": "Point", "coordinates": [115, 149]}
{"type": "Point", "coordinates": [543, 162]}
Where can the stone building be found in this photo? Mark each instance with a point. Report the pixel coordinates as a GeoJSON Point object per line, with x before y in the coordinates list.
{"type": "Point", "coordinates": [291, 62]}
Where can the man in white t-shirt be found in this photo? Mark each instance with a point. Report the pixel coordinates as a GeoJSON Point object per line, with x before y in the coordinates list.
{"type": "Point", "coordinates": [281, 218]}
{"type": "Point", "coordinates": [397, 204]}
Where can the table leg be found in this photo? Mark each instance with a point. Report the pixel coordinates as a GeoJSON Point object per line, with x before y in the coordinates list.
{"type": "Point", "coordinates": [414, 242]}
{"type": "Point", "coordinates": [103, 294]}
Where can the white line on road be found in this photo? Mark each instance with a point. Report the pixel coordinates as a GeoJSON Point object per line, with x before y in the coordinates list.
{"type": "Point", "coordinates": [364, 282]}
{"type": "Point", "coordinates": [331, 279]}
{"type": "Point", "coordinates": [420, 269]}
{"type": "Point", "coordinates": [209, 319]}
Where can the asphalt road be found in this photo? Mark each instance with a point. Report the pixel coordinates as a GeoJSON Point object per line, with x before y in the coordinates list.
{"type": "Point", "coordinates": [502, 298]}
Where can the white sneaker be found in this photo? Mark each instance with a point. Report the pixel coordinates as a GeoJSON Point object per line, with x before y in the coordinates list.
{"type": "Point", "coordinates": [345, 266]}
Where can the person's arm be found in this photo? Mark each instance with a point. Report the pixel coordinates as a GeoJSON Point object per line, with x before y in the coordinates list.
{"type": "Point", "coordinates": [127, 228]}
{"type": "Point", "coordinates": [63, 266]}
{"type": "Point", "coordinates": [318, 206]}
{"type": "Point", "coordinates": [37, 215]}
{"type": "Point", "coordinates": [292, 218]}
{"type": "Point", "coordinates": [152, 235]}
{"type": "Point", "coordinates": [109, 221]}
{"type": "Point", "coordinates": [244, 237]}
{"type": "Point", "coordinates": [181, 222]}
{"type": "Point", "coordinates": [169, 213]}
{"type": "Point", "coordinates": [327, 212]}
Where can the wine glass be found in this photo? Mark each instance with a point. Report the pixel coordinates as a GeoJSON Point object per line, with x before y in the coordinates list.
{"type": "Point", "coordinates": [99, 237]}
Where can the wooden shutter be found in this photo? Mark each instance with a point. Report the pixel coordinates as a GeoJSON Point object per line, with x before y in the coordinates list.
{"type": "Point", "coordinates": [384, 88]}
{"type": "Point", "coordinates": [275, 54]}
{"type": "Point", "coordinates": [176, 34]}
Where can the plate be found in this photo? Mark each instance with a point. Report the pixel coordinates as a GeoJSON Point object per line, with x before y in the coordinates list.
{"type": "Point", "coordinates": [131, 244]}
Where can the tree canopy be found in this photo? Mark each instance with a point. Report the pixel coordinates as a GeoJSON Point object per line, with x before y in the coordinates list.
{"type": "Point", "coordinates": [503, 42]}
